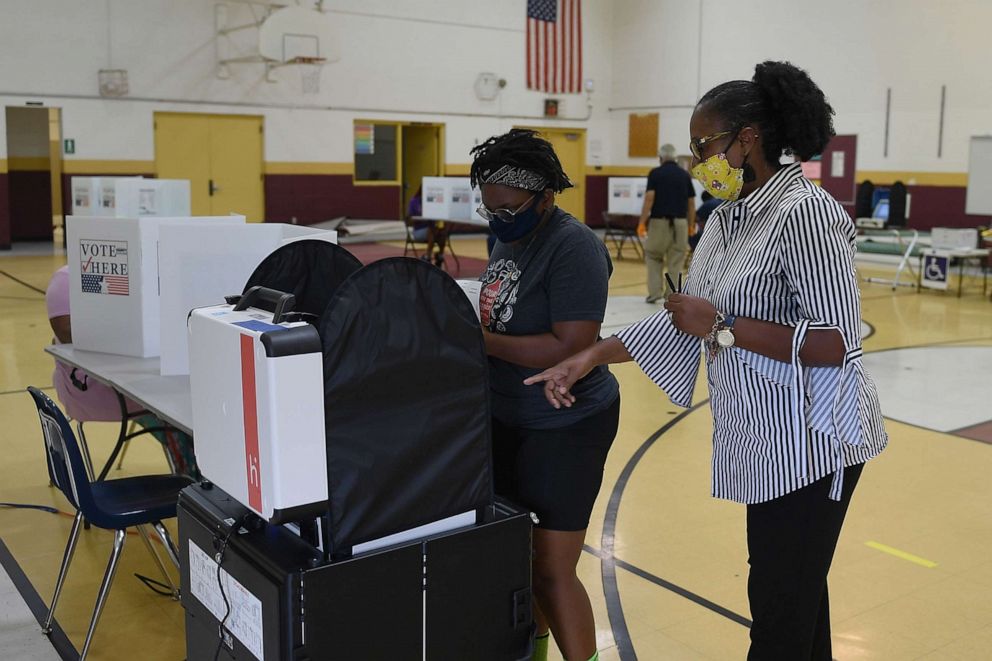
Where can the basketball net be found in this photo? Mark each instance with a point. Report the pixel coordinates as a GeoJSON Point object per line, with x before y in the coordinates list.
{"type": "Point", "coordinates": [310, 70]}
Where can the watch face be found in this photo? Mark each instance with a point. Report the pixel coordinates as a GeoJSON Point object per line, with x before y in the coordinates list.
{"type": "Point", "coordinates": [725, 338]}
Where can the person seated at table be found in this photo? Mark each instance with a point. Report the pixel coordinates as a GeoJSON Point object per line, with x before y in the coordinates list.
{"type": "Point", "coordinates": [87, 400]}
{"type": "Point", "coordinates": [425, 231]}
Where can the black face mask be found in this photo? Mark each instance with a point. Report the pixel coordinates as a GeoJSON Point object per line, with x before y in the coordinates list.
{"type": "Point", "coordinates": [522, 225]}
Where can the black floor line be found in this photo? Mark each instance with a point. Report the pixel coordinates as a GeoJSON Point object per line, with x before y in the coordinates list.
{"type": "Point", "coordinates": [672, 587]}
{"type": "Point", "coordinates": [59, 640]}
{"type": "Point", "coordinates": [21, 282]}
{"type": "Point", "coordinates": [614, 608]}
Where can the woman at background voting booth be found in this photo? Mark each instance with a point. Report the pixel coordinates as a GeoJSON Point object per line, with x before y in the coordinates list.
{"type": "Point", "coordinates": [543, 298]}
{"type": "Point", "coordinates": [773, 294]}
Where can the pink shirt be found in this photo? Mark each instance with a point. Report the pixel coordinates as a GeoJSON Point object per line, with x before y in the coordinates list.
{"type": "Point", "coordinates": [98, 403]}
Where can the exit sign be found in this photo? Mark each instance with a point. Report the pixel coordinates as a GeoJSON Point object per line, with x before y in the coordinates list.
{"type": "Point", "coordinates": [69, 146]}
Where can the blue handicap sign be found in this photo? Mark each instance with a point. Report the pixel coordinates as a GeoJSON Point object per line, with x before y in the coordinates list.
{"type": "Point", "coordinates": [935, 270]}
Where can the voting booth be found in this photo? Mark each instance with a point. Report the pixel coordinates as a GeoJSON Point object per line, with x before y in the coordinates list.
{"type": "Point", "coordinates": [125, 197]}
{"type": "Point", "coordinates": [114, 280]}
{"type": "Point", "coordinates": [94, 196]}
{"type": "Point", "coordinates": [450, 198]}
{"type": "Point", "coordinates": [198, 265]}
{"type": "Point", "coordinates": [625, 196]}
{"type": "Point", "coordinates": [342, 425]}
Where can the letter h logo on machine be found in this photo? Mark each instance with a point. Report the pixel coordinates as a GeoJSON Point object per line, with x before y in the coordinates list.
{"type": "Point", "coordinates": [253, 466]}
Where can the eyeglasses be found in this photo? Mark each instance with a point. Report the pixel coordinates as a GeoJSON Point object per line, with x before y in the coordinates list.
{"type": "Point", "coordinates": [696, 144]}
{"type": "Point", "coordinates": [504, 215]}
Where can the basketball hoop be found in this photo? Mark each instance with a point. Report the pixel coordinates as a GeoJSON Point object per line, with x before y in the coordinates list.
{"type": "Point", "coordinates": [310, 69]}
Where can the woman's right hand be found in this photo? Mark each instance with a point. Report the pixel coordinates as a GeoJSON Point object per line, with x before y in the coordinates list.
{"type": "Point", "coordinates": [558, 380]}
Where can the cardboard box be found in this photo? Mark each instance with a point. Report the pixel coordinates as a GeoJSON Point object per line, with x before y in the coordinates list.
{"type": "Point", "coordinates": [114, 281]}
{"type": "Point", "coordinates": [198, 266]}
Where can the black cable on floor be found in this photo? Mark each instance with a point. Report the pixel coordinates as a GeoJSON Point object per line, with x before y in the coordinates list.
{"type": "Point", "coordinates": [154, 585]}
{"type": "Point", "coordinates": [28, 506]}
{"type": "Point", "coordinates": [21, 282]}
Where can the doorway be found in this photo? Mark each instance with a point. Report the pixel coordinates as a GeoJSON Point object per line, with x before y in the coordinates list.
{"type": "Point", "coordinates": [570, 146]}
{"type": "Point", "coordinates": [34, 164]}
{"type": "Point", "coordinates": [221, 155]}
{"type": "Point", "coordinates": [421, 146]}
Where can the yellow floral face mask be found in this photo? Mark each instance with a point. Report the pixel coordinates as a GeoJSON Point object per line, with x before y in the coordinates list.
{"type": "Point", "coordinates": [719, 178]}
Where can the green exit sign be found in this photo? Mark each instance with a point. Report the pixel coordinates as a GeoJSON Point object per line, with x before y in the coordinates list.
{"type": "Point", "coordinates": [69, 146]}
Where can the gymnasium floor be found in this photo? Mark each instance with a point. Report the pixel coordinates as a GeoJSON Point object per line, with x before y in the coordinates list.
{"type": "Point", "coordinates": [666, 564]}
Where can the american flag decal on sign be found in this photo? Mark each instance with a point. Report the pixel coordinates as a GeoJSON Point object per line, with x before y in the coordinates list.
{"type": "Point", "coordinates": [105, 284]}
{"type": "Point", "coordinates": [103, 266]}
{"type": "Point", "coordinates": [554, 46]}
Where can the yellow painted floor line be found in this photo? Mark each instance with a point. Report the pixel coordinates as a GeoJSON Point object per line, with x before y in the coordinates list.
{"type": "Point", "coordinates": [923, 562]}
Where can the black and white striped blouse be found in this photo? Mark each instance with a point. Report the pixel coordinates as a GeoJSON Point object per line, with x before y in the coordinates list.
{"type": "Point", "coordinates": [784, 254]}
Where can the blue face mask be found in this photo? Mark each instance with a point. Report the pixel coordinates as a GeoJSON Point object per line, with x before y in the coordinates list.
{"type": "Point", "coordinates": [522, 225]}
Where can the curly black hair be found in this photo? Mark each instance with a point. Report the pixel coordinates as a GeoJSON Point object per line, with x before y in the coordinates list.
{"type": "Point", "coordinates": [782, 101]}
{"type": "Point", "coordinates": [521, 148]}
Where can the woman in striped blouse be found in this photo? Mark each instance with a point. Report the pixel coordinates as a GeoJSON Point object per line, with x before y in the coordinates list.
{"type": "Point", "coordinates": [773, 295]}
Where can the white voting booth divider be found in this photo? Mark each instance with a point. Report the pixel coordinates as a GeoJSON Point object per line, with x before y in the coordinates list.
{"type": "Point", "coordinates": [114, 280]}
{"type": "Point", "coordinates": [94, 196]}
{"type": "Point", "coordinates": [626, 195]}
{"type": "Point", "coordinates": [199, 265]}
{"type": "Point", "coordinates": [450, 198]}
{"type": "Point", "coordinates": [129, 197]}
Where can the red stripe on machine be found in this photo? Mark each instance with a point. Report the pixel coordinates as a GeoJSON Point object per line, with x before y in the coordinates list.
{"type": "Point", "coordinates": [252, 466]}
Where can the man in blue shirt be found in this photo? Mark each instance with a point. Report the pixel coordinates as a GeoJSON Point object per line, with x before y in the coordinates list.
{"type": "Point", "coordinates": [670, 205]}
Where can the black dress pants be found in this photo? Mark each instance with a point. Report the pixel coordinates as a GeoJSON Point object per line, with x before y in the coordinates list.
{"type": "Point", "coordinates": [790, 543]}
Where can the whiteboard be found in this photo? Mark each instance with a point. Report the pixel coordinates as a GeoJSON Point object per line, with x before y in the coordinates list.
{"type": "Point", "coordinates": [979, 198]}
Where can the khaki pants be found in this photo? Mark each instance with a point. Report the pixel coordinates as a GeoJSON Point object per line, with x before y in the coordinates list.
{"type": "Point", "coordinates": [665, 249]}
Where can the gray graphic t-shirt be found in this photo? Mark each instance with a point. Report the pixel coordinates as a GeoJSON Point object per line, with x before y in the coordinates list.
{"type": "Point", "coordinates": [562, 274]}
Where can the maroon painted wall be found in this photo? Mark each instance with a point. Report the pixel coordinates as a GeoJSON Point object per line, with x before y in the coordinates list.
{"type": "Point", "coordinates": [30, 205]}
{"type": "Point", "coordinates": [940, 206]}
{"type": "Point", "coordinates": [843, 188]}
{"type": "Point", "coordinates": [596, 198]}
{"type": "Point", "coordinates": [311, 198]}
{"type": "Point", "coordinates": [4, 213]}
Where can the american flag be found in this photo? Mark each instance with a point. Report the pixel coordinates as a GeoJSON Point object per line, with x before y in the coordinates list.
{"type": "Point", "coordinates": [554, 46]}
{"type": "Point", "coordinates": [105, 284]}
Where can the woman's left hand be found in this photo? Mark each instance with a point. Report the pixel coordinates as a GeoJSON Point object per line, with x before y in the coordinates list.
{"type": "Point", "coordinates": [691, 314]}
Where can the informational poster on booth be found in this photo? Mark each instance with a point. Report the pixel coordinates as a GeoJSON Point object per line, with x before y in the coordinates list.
{"type": "Point", "coordinates": [626, 195]}
{"type": "Point", "coordinates": [103, 267]}
{"type": "Point", "coordinates": [461, 199]}
{"type": "Point", "coordinates": [934, 273]}
{"type": "Point", "coordinates": [435, 199]}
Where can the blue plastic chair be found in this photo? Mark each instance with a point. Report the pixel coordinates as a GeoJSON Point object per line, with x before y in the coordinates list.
{"type": "Point", "coordinates": [111, 504]}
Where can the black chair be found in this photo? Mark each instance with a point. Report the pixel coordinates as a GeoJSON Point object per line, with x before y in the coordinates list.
{"type": "Point", "coordinates": [621, 229]}
{"type": "Point", "coordinates": [442, 239]}
{"type": "Point", "coordinates": [111, 504]}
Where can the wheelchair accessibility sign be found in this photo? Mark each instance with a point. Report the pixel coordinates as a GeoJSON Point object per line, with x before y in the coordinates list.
{"type": "Point", "coordinates": [934, 274]}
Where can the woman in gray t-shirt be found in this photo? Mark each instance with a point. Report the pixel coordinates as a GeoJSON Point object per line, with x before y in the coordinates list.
{"type": "Point", "coordinates": [543, 298]}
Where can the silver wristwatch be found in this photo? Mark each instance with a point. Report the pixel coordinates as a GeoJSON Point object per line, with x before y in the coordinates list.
{"type": "Point", "coordinates": [725, 330]}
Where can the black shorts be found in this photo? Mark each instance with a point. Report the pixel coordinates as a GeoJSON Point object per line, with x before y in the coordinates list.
{"type": "Point", "coordinates": [556, 473]}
